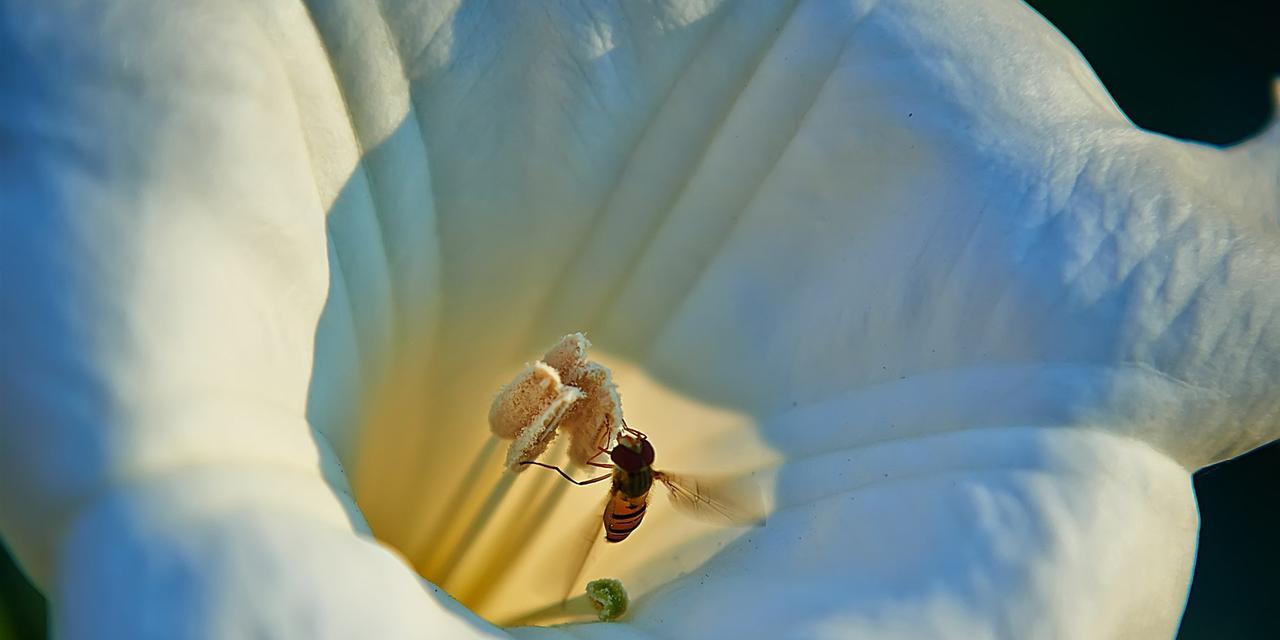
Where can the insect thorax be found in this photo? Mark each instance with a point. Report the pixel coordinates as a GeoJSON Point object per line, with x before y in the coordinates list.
{"type": "Point", "coordinates": [633, 483]}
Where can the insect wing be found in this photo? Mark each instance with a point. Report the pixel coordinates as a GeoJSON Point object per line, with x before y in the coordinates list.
{"type": "Point", "coordinates": [724, 500]}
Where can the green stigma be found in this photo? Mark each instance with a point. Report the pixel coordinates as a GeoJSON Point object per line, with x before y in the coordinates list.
{"type": "Point", "coordinates": [608, 597]}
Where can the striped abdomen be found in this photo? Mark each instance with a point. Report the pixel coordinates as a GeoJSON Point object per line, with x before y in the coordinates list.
{"type": "Point", "coordinates": [626, 505]}
{"type": "Point", "coordinates": [622, 515]}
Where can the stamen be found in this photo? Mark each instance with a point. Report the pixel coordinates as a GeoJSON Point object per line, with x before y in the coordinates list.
{"type": "Point", "coordinates": [456, 541]}
{"type": "Point", "coordinates": [530, 524]}
{"type": "Point", "coordinates": [472, 531]}
{"type": "Point", "coordinates": [593, 422]}
{"type": "Point", "coordinates": [538, 435]}
{"type": "Point", "coordinates": [528, 410]}
{"type": "Point", "coordinates": [568, 355]}
{"type": "Point", "coordinates": [510, 548]}
{"type": "Point", "coordinates": [562, 392]}
{"type": "Point", "coordinates": [466, 489]}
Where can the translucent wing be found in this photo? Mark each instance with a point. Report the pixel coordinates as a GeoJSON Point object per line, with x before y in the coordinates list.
{"type": "Point", "coordinates": [724, 500]}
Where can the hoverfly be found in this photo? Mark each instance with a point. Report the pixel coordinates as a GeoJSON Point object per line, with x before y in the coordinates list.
{"type": "Point", "coordinates": [633, 474]}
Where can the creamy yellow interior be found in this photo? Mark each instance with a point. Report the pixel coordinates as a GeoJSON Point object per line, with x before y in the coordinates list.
{"type": "Point", "coordinates": [430, 481]}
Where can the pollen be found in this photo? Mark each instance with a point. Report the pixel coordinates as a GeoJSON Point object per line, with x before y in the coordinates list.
{"type": "Point", "coordinates": [568, 355]}
{"type": "Point", "coordinates": [528, 410]}
{"type": "Point", "coordinates": [594, 421]}
{"type": "Point", "coordinates": [564, 391]}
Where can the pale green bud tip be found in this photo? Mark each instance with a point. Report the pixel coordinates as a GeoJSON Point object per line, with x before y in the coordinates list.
{"type": "Point", "coordinates": [608, 597]}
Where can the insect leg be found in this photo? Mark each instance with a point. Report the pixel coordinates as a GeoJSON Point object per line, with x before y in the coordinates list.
{"type": "Point", "coordinates": [580, 483]}
{"type": "Point", "coordinates": [627, 427]}
{"type": "Point", "coordinates": [599, 452]}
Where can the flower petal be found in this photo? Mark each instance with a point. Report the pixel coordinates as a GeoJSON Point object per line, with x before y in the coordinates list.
{"type": "Point", "coordinates": [235, 554]}
{"type": "Point", "coordinates": [162, 478]}
{"type": "Point", "coordinates": [975, 534]}
{"type": "Point", "coordinates": [963, 269]}
{"type": "Point", "coordinates": [882, 210]}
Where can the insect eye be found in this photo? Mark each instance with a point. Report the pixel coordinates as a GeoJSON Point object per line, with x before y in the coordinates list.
{"type": "Point", "coordinates": [627, 458]}
{"type": "Point", "coordinates": [646, 452]}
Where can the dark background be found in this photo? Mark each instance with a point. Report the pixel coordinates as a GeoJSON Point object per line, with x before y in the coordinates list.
{"type": "Point", "coordinates": [1191, 69]}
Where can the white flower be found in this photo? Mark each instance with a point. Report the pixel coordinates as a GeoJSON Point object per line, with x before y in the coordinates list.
{"type": "Point", "coordinates": [264, 264]}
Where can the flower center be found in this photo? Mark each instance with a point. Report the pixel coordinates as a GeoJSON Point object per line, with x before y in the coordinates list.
{"type": "Point", "coordinates": [432, 482]}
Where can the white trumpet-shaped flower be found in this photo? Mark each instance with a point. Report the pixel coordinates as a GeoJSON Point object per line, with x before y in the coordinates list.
{"type": "Point", "coordinates": [264, 264]}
